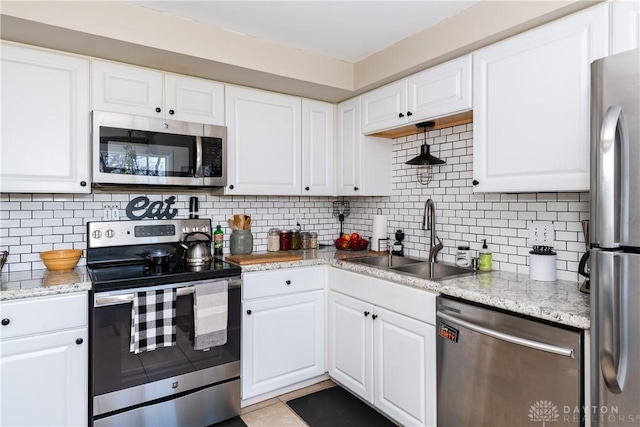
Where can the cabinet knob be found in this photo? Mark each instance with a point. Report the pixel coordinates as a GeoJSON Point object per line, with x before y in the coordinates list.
{"type": "Point", "coordinates": [249, 312]}
{"type": "Point", "coordinates": [306, 188]}
{"type": "Point", "coordinates": [366, 313]}
{"type": "Point", "coordinates": [158, 109]}
{"type": "Point", "coordinates": [475, 182]}
{"type": "Point", "coordinates": [409, 114]}
{"type": "Point", "coordinates": [355, 188]}
{"type": "Point", "coordinates": [5, 322]}
{"type": "Point", "coordinates": [79, 341]}
{"type": "Point", "coordinates": [172, 112]}
{"type": "Point", "coordinates": [231, 187]}
{"type": "Point", "coordinates": [288, 282]}
{"type": "Point", "coordinates": [83, 183]}
{"type": "Point", "coordinates": [400, 115]}
{"type": "Point", "coordinates": [374, 317]}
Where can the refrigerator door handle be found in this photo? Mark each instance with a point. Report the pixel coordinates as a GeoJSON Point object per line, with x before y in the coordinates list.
{"type": "Point", "coordinates": [611, 151]}
{"type": "Point", "coordinates": [611, 323]}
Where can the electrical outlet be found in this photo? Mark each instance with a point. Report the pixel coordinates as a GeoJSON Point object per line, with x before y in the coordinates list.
{"type": "Point", "coordinates": [106, 213]}
{"type": "Point", "coordinates": [115, 213]}
{"type": "Point", "coordinates": [541, 233]}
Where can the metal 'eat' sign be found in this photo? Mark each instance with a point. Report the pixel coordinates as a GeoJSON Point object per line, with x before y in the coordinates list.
{"type": "Point", "coordinates": [141, 207]}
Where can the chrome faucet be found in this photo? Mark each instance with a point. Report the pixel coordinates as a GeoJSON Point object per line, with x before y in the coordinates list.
{"type": "Point", "coordinates": [430, 213]}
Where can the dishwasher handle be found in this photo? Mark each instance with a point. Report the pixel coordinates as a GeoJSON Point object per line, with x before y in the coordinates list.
{"type": "Point", "coordinates": [562, 351]}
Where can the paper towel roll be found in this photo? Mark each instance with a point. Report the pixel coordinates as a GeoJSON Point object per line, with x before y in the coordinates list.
{"type": "Point", "coordinates": [379, 232]}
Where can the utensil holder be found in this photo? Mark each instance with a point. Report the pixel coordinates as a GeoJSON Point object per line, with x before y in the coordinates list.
{"type": "Point", "coordinates": [241, 242]}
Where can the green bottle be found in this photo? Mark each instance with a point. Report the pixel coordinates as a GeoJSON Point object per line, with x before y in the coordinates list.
{"type": "Point", "coordinates": [218, 241]}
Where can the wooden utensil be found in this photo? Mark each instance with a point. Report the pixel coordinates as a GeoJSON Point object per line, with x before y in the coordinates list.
{"type": "Point", "coordinates": [237, 221]}
{"type": "Point", "coordinates": [231, 224]}
{"type": "Point", "coordinates": [247, 222]}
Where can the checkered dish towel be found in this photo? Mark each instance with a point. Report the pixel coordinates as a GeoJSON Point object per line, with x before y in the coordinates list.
{"type": "Point", "coordinates": [153, 320]}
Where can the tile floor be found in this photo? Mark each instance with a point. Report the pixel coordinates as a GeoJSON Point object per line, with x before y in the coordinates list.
{"type": "Point", "coordinates": [274, 412]}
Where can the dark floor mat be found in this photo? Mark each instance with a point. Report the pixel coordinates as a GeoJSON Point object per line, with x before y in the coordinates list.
{"type": "Point", "coordinates": [232, 422]}
{"type": "Point", "coordinates": [336, 407]}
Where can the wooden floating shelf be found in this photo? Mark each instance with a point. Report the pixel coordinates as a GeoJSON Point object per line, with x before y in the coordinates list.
{"type": "Point", "coordinates": [442, 122]}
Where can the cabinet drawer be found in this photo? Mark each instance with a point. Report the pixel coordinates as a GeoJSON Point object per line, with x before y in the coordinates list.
{"type": "Point", "coordinates": [39, 315]}
{"type": "Point", "coordinates": [281, 282]}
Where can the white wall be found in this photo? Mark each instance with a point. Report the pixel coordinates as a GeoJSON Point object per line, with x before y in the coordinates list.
{"type": "Point", "coordinates": [31, 223]}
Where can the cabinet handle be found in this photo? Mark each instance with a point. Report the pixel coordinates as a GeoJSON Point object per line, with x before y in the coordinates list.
{"type": "Point", "coordinates": [288, 282]}
{"type": "Point", "coordinates": [374, 317]}
{"type": "Point", "coordinates": [83, 183]}
{"type": "Point", "coordinates": [366, 313]}
{"type": "Point", "coordinates": [158, 109]}
{"type": "Point", "coordinates": [355, 188]}
{"type": "Point", "coordinates": [409, 114]}
{"type": "Point", "coordinates": [5, 322]}
{"type": "Point", "coordinates": [79, 341]}
{"type": "Point", "coordinates": [249, 312]}
{"type": "Point", "coordinates": [400, 115]}
{"type": "Point", "coordinates": [231, 187]}
{"type": "Point", "coordinates": [306, 188]}
{"type": "Point", "coordinates": [475, 182]}
{"type": "Point", "coordinates": [172, 112]}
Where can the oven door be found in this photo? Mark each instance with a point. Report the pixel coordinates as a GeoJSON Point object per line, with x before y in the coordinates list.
{"type": "Point", "coordinates": [122, 379]}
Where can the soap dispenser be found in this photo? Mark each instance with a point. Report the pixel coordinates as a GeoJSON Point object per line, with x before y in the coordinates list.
{"type": "Point", "coordinates": [484, 257]}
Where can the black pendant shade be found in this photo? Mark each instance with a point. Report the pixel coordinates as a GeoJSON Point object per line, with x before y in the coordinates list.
{"type": "Point", "coordinates": [425, 157]}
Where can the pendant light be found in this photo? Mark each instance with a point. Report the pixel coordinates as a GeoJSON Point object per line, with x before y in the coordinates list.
{"type": "Point", "coordinates": [425, 160]}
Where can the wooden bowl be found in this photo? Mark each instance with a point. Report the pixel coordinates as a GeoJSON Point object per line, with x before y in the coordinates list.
{"type": "Point", "coordinates": [61, 259]}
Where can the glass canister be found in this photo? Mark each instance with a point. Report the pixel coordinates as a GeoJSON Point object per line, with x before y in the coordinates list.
{"type": "Point", "coordinates": [296, 240]}
{"type": "Point", "coordinates": [285, 240]}
{"type": "Point", "coordinates": [314, 240]}
{"type": "Point", "coordinates": [241, 242]}
{"type": "Point", "coordinates": [305, 237]}
{"type": "Point", "coordinates": [273, 240]}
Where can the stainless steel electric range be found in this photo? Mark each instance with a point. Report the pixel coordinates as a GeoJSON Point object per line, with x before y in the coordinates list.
{"type": "Point", "coordinates": [174, 385]}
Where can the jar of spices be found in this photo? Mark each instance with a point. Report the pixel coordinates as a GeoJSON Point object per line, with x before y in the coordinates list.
{"type": "Point", "coordinates": [285, 240]}
{"type": "Point", "coordinates": [306, 239]}
{"type": "Point", "coordinates": [296, 240]}
{"type": "Point", "coordinates": [273, 240]}
{"type": "Point", "coordinates": [313, 240]}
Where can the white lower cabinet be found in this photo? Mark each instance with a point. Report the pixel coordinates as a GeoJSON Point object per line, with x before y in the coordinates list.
{"type": "Point", "coordinates": [44, 361]}
{"type": "Point", "coordinates": [386, 358]}
{"type": "Point", "coordinates": [282, 329]}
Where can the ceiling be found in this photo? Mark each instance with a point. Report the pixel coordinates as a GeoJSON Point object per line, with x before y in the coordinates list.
{"type": "Point", "coordinates": [346, 30]}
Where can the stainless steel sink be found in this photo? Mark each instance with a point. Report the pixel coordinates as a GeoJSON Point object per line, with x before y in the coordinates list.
{"type": "Point", "coordinates": [383, 261]}
{"type": "Point", "coordinates": [433, 271]}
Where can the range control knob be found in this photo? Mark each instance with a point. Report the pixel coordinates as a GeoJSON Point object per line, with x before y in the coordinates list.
{"type": "Point", "coordinates": [109, 233]}
{"type": "Point", "coordinates": [205, 229]}
{"type": "Point", "coordinates": [96, 234]}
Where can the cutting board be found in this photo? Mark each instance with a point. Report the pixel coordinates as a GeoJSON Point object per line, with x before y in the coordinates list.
{"type": "Point", "coordinates": [262, 258]}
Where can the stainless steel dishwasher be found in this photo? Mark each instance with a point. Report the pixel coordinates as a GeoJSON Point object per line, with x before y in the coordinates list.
{"type": "Point", "coordinates": [497, 369]}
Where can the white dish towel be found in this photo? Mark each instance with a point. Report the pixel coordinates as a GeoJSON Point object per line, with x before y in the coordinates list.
{"type": "Point", "coordinates": [210, 306]}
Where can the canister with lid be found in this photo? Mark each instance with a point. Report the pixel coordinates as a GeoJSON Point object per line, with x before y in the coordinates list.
{"type": "Point", "coordinates": [305, 237]}
{"type": "Point", "coordinates": [296, 240]}
{"type": "Point", "coordinates": [285, 240]}
{"type": "Point", "coordinates": [314, 240]}
{"type": "Point", "coordinates": [273, 240]}
{"type": "Point", "coordinates": [463, 256]}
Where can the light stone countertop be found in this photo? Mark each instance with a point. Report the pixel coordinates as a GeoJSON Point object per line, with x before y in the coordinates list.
{"type": "Point", "coordinates": [558, 302]}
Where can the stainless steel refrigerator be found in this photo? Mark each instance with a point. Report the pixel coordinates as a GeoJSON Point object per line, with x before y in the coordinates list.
{"type": "Point", "coordinates": [615, 240]}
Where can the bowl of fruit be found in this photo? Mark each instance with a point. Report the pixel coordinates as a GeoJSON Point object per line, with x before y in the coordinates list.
{"type": "Point", "coordinates": [351, 242]}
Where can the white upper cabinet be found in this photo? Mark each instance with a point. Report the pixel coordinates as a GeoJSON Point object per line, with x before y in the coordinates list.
{"type": "Point", "coordinates": [363, 162]}
{"type": "Point", "coordinates": [625, 25]}
{"type": "Point", "coordinates": [437, 92]}
{"type": "Point", "coordinates": [263, 142]}
{"type": "Point", "coordinates": [45, 122]}
{"type": "Point", "coordinates": [317, 148]}
{"type": "Point", "coordinates": [128, 89]}
{"type": "Point", "coordinates": [531, 106]}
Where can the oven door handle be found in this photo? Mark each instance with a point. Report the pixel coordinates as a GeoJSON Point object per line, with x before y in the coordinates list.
{"type": "Point", "coordinates": [127, 298]}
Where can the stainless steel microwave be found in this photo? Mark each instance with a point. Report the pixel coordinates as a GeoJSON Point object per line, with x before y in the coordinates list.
{"type": "Point", "coordinates": [137, 150]}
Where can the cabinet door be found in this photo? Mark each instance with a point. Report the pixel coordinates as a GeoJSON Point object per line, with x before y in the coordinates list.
{"type": "Point", "coordinates": [405, 368]}
{"type": "Point", "coordinates": [264, 142]}
{"type": "Point", "coordinates": [625, 25]}
{"type": "Point", "coordinates": [441, 90]}
{"type": "Point", "coordinates": [317, 148]}
{"type": "Point", "coordinates": [348, 153]}
{"type": "Point", "coordinates": [282, 341]}
{"type": "Point", "coordinates": [45, 380]}
{"type": "Point", "coordinates": [45, 122]}
{"type": "Point", "coordinates": [193, 100]}
{"type": "Point", "coordinates": [351, 344]}
{"type": "Point", "coordinates": [385, 107]}
{"type": "Point", "coordinates": [531, 106]}
{"type": "Point", "coordinates": [126, 89]}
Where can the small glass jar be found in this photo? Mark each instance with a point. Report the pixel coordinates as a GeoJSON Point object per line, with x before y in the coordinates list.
{"type": "Point", "coordinates": [273, 240]}
{"type": "Point", "coordinates": [296, 240]}
{"type": "Point", "coordinates": [285, 240]}
{"type": "Point", "coordinates": [241, 242]}
{"type": "Point", "coordinates": [306, 239]}
{"type": "Point", "coordinates": [313, 240]}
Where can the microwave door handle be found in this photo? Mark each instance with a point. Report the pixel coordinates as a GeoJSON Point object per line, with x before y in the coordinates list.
{"type": "Point", "coordinates": [198, 156]}
{"type": "Point", "coordinates": [610, 154]}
